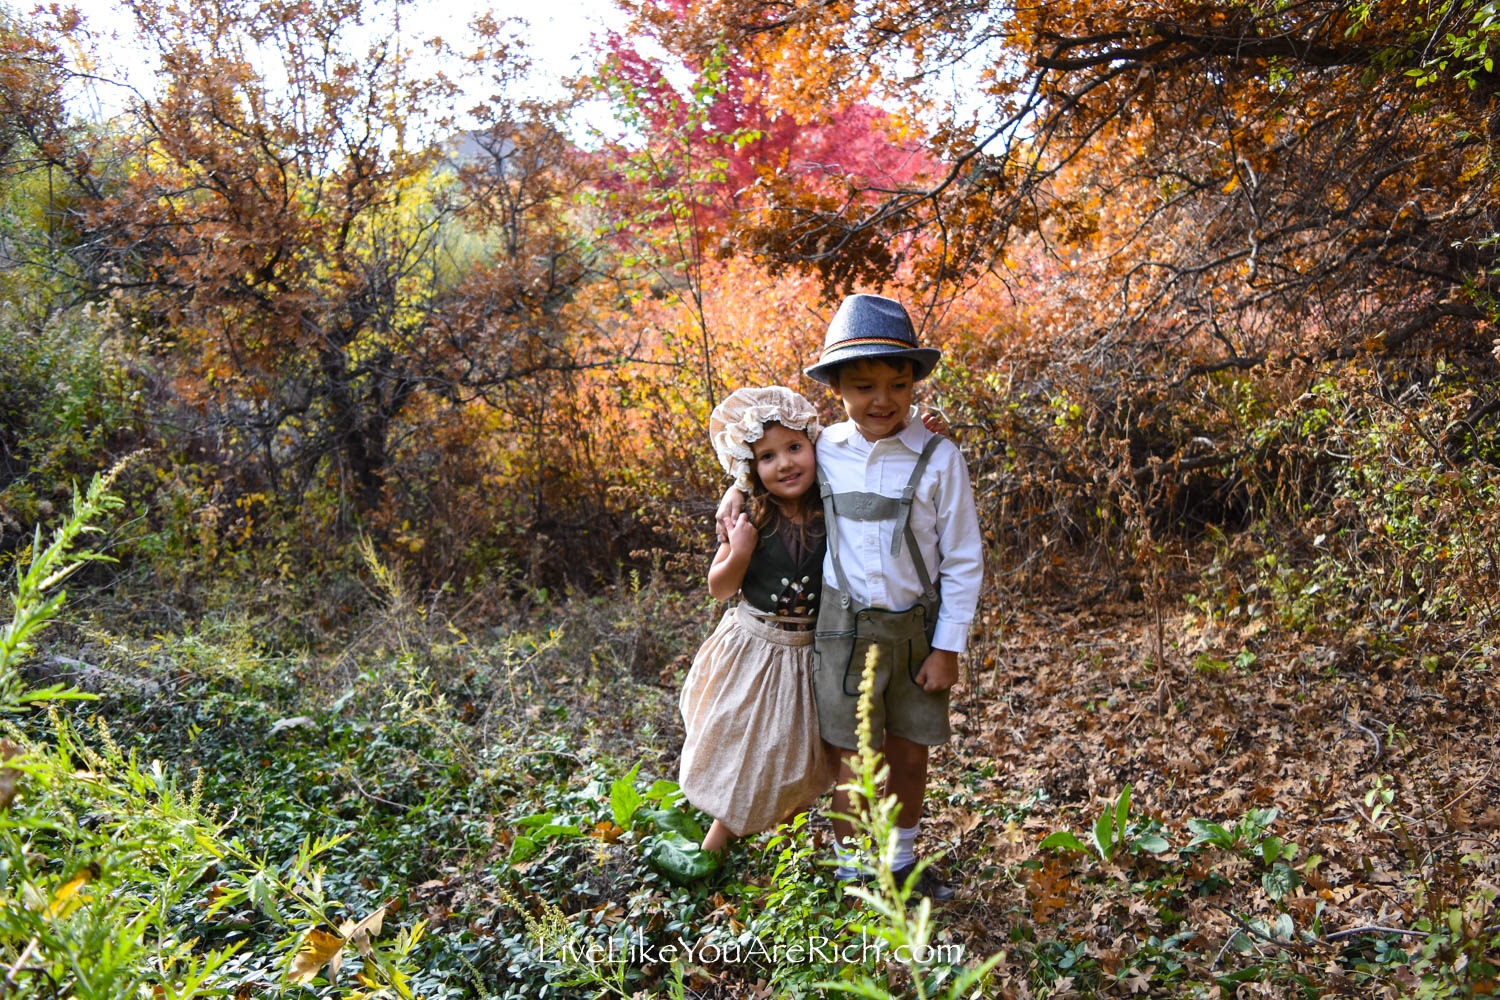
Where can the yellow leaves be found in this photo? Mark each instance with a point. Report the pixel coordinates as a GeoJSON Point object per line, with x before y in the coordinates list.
{"type": "Point", "coordinates": [1477, 164]}
{"type": "Point", "coordinates": [67, 899]}
{"type": "Point", "coordinates": [321, 947]}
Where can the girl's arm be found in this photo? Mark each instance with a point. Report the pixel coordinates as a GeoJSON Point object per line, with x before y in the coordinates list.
{"type": "Point", "coordinates": [728, 569]}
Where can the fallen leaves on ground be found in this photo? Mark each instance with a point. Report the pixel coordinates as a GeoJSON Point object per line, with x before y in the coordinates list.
{"type": "Point", "coordinates": [1068, 703]}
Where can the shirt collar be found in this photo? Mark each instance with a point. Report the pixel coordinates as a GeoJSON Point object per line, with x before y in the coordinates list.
{"type": "Point", "coordinates": [840, 432]}
{"type": "Point", "coordinates": [914, 436]}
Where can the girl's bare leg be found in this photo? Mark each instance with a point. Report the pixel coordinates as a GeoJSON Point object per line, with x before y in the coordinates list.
{"type": "Point", "coordinates": [718, 837]}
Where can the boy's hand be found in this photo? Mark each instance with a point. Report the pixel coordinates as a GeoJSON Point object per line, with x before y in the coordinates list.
{"type": "Point", "coordinates": [740, 533]}
{"type": "Point", "coordinates": [939, 671]}
{"type": "Point", "coordinates": [728, 512]}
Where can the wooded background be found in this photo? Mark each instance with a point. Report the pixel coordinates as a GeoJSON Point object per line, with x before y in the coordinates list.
{"type": "Point", "coordinates": [1192, 269]}
{"type": "Point", "coordinates": [1215, 285]}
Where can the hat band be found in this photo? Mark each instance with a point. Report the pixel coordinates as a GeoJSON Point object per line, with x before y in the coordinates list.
{"type": "Point", "coordinates": [873, 341]}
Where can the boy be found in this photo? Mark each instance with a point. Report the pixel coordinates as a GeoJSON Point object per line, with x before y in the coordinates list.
{"type": "Point", "coordinates": [904, 561]}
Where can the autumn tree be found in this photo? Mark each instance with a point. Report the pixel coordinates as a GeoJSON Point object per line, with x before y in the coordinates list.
{"type": "Point", "coordinates": [280, 219]}
{"type": "Point", "coordinates": [1186, 217]}
{"type": "Point", "coordinates": [1319, 164]}
{"type": "Point", "coordinates": [699, 137]}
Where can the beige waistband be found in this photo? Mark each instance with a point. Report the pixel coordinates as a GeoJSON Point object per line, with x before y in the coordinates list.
{"type": "Point", "coordinates": [792, 630]}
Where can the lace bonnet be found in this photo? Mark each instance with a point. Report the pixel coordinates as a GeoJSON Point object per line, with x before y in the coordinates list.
{"type": "Point", "coordinates": [740, 421]}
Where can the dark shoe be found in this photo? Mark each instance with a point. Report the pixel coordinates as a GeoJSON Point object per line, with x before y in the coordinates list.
{"type": "Point", "coordinates": [927, 884]}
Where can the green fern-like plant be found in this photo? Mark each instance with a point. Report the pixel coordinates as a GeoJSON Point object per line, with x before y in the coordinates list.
{"type": "Point", "coordinates": [100, 850]}
{"type": "Point", "coordinates": [38, 595]}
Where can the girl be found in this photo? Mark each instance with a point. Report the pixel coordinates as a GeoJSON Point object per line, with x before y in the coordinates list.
{"type": "Point", "coordinates": [753, 755]}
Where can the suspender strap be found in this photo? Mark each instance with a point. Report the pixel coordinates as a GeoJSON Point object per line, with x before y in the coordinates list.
{"type": "Point", "coordinates": [903, 516]}
{"type": "Point", "coordinates": [929, 592]}
{"type": "Point", "coordinates": [826, 491]}
{"type": "Point", "coordinates": [857, 506]}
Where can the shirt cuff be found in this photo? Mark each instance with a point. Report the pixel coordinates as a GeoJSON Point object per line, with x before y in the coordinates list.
{"type": "Point", "coordinates": [952, 636]}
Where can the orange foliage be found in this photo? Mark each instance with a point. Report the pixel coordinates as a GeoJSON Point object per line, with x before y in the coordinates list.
{"type": "Point", "coordinates": [1144, 231]}
{"type": "Point", "coordinates": [1323, 168]}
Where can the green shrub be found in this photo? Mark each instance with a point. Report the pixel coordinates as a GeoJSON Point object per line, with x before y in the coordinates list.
{"type": "Point", "coordinates": [1392, 525]}
{"type": "Point", "coordinates": [107, 866]}
{"type": "Point", "coordinates": [69, 404]}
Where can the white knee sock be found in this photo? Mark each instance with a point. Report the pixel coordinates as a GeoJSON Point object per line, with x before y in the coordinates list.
{"type": "Point", "coordinates": [850, 863]}
{"type": "Point", "coordinates": [906, 841]}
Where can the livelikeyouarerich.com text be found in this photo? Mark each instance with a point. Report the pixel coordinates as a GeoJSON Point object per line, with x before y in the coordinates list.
{"type": "Point", "coordinates": [815, 948]}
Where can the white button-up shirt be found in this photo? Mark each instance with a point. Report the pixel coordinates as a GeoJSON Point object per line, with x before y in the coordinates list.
{"type": "Point", "coordinates": [942, 519]}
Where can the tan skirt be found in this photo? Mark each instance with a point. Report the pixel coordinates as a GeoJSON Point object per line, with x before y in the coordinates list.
{"type": "Point", "coordinates": [753, 756]}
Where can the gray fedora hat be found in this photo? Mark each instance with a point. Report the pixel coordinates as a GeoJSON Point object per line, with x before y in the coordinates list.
{"type": "Point", "coordinates": [870, 326]}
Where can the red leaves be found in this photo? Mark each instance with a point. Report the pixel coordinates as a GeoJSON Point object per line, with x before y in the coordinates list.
{"type": "Point", "coordinates": [1048, 888]}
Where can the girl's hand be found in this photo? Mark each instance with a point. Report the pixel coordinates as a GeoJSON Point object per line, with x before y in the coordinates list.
{"type": "Point", "coordinates": [934, 422]}
{"type": "Point", "coordinates": [729, 509]}
{"type": "Point", "coordinates": [740, 533]}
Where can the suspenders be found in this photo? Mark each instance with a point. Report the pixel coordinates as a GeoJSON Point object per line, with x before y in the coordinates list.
{"type": "Point", "coordinates": [859, 506]}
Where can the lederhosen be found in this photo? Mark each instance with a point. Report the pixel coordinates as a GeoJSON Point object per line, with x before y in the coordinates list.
{"type": "Point", "coordinates": [847, 629]}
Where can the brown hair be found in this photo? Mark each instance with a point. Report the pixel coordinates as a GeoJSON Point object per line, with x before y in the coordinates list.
{"type": "Point", "coordinates": [800, 526]}
{"type": "Point", "coordinates": [895, 364]}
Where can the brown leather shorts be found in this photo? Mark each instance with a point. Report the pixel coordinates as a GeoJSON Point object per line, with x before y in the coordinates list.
{"type": "Point", "coordinates": [902, 708]}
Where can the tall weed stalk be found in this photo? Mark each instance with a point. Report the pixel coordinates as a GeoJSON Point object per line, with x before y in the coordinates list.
{"type": "Point", "coordinates": [906, 931]}
{"type": "Point", "coordinates": [38, 596]}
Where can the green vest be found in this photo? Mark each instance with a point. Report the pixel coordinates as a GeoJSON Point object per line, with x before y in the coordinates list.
{"type": "Point", "coordinates": [775, 585]}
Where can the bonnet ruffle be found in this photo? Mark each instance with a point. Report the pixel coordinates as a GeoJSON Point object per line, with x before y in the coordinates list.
{"type": "Point", "coordinates": [740, 421]}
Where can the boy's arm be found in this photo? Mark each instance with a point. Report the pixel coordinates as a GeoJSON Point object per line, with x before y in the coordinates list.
{"type": "Point", "coordinates": [960, 569]}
